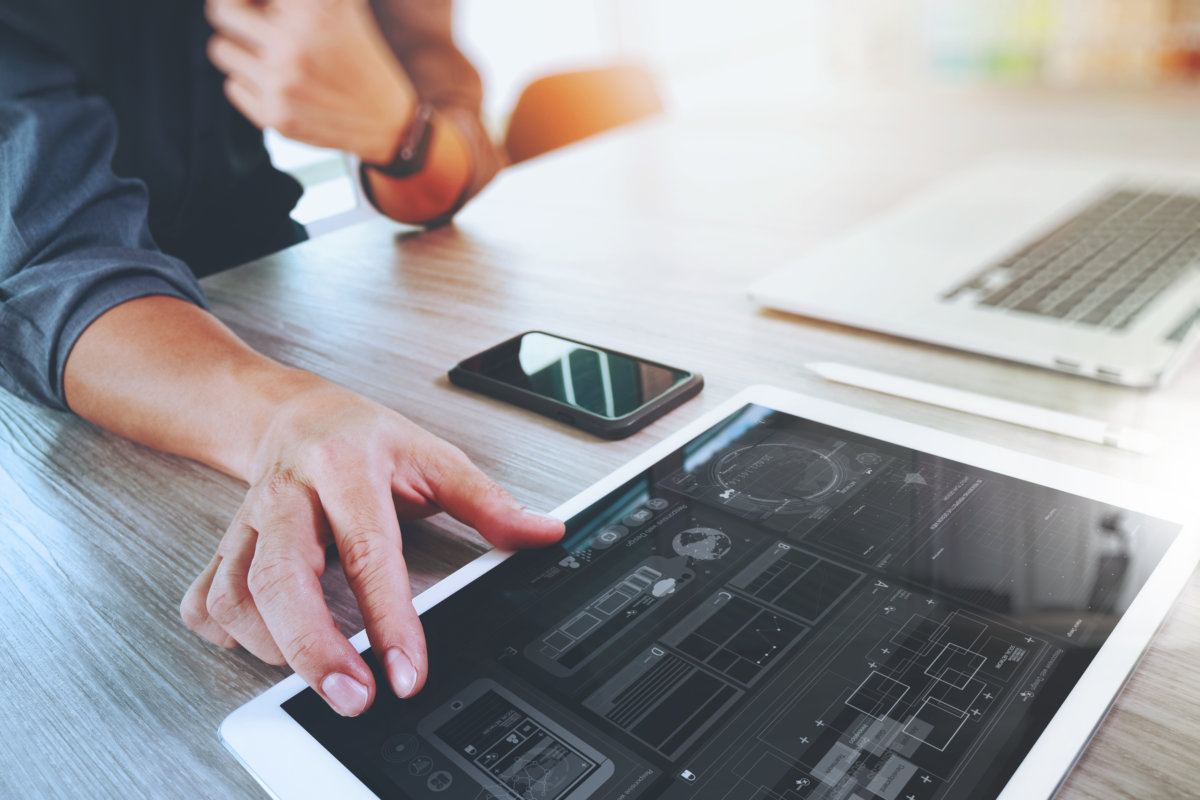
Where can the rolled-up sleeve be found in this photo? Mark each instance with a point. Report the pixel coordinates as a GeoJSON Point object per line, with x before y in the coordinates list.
{"type": "Point", "coordinates": [74, 237]}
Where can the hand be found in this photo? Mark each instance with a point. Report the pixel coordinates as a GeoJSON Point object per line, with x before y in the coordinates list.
{"type": "Point", "coordinates": [334, 467]}
{"type": "Point", "coordinates": [317, 71]}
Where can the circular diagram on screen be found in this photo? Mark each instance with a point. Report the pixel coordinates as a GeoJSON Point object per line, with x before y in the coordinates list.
{"type": "Point", "coordinates": [702, 544]}
{"type": "Point", "coordinates": [770, 476]}
{"type": "Point", "coordinates": [545, 775]}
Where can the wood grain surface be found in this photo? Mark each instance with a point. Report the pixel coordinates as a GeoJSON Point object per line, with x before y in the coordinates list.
{"type": "Point", "coordinates": [643, 240]}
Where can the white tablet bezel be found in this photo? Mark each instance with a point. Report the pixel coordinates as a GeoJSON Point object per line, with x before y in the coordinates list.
{"type": "Point", "coordinates": [290, 764]}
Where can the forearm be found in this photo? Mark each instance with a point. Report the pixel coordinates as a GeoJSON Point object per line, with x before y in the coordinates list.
{"type": "Point", "coordinates": [167, 374]}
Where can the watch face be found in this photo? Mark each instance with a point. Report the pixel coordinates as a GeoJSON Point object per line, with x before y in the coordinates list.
{"type": "Point", "coordinates": [410, 157]}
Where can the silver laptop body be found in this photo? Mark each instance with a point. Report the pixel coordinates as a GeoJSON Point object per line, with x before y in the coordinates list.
{"type": "Point", "coordinates": [1086, 266]}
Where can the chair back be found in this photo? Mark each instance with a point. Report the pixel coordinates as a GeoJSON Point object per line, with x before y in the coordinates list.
{"type": "Point", "coordinates": [560, 109]}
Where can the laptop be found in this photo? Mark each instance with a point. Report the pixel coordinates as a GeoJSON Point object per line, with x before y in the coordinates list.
{"type": "Point", "coordinates": [1086, 266]}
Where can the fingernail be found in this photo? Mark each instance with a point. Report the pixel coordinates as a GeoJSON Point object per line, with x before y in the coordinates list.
{"type": "Point", "coordinates": [400, 672]}
{"type": "Point", "coordinates": [347, 696]}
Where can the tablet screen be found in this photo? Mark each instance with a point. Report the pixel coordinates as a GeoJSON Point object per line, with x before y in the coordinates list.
{"type": "Point", "coordinates": [779, 609]}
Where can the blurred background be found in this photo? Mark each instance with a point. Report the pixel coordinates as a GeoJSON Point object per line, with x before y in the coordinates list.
{"type": "Point", "coordinates": [710, 56]}
{"type": "Point", "coordinates": [702, 49]}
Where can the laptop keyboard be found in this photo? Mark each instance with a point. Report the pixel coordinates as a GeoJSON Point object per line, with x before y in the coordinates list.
{"type": "Point", "coordinates": [1102, 267]}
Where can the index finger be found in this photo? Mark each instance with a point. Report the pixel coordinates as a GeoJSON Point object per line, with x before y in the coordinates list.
{"type": "Point", "coordinates": [464, 492]}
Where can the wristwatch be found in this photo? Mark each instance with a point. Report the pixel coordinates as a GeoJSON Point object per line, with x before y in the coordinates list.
{"type": "Point", "coordinates": [410, 156]}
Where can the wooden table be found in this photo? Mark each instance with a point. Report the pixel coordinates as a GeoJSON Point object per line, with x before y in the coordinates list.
{"type": "Point", "coordinates": [644, 241]}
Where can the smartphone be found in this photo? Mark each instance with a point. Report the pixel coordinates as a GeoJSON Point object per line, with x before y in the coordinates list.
{"type": "Point", "coordinates": [601, 391]}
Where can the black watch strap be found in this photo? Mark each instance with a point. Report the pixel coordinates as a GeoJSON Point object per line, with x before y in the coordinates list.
{"type": "Point", "coordinates": [410, 156]}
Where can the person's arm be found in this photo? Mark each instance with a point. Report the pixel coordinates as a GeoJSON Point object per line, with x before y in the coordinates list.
{"type": "Point", "coordinates": [341, 74]}
{"type": "Point", "coordinates": [324, 466]}
{"type": "Point", "coordinates": [93, 318]}
{"type": "Point", "coordinates": [421, 35]}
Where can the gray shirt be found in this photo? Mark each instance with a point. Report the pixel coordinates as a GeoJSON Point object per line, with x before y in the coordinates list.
{"type": "Point", "coordinates": [125, 172]}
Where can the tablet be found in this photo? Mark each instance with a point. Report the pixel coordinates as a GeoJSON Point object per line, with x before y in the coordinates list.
{"type": "Point", "coordinates": [787, 600]}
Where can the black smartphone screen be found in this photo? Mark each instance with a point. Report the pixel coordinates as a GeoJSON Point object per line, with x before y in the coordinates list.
{"type": "Point", "coordinates": [605, 383]}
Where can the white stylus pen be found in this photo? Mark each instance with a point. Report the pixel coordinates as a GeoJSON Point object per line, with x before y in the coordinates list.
{"type": "Point", "coordinates": [1042, 419]}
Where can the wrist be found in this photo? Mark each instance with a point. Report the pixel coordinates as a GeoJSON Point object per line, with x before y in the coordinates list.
{"type": "Point", "coordinates": [276, 390]}
{"type": "Point", "coordinates": [395, 119]}
{"type": "Point", "coordinates": [437, 189]}
{"type": "Point", "coordinates": [165, 373]}
{"type": "Point", "coordinates": [413, 150]}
